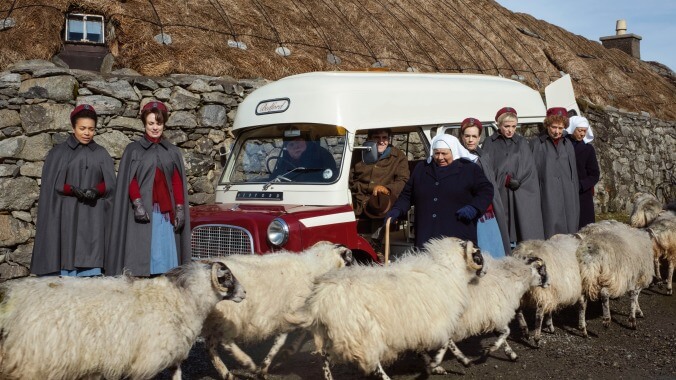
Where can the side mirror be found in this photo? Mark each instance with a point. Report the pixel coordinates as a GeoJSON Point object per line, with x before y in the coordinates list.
{"type": "Point", "coordinates": [369, 154]}
{"type": "Point", "coordinates": [223, 155]}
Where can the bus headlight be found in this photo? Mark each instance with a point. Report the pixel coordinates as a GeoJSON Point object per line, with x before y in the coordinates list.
{"type": "Point", "coordinates": [278, 232]}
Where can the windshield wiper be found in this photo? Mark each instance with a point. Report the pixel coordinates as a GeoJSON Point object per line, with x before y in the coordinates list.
{"type": "Point", "coordinates": [281, 177]}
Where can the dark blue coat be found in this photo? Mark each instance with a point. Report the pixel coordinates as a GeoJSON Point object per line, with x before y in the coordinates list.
{"type": "Point", "coordinates": [437, 193]}
{"type": "Point", "coordinates": [588, 174]}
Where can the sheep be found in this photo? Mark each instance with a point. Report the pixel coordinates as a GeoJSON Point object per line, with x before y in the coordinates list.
{"type": "Point", "coordinates": [614, 259]}
{"type": "Point", "coordinates": [111, 327]}
{"type": "Point", "coordinates": [494, 301]}
{"type": "Point", "coordinates": [565, 284]}
{"type": "Point", "coordinates": [277, 284]}
{"type": "Point", "coordinates": [369, 315]}
{"type": "Point", "coordinates": [661, 224]}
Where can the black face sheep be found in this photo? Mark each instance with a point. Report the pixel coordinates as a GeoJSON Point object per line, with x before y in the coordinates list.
{"type": "Point", "coordinates": [110, 327]}
{"type": "Point", "coordinates": [494, 300]}
{"type": "Point", "coordinates": [277, 284]}
{"type": "Point", "coordinates": [661, 224]}
{"type": "Point", "coordinates": [565, 284]}
{"type": "Point", "coordinates": [614, 259]}
{"type": "Point", "coordinates": [369, 315]}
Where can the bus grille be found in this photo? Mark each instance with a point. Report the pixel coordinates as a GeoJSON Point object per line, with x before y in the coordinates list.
{"type": "Point", "coordinates": [218, 240]}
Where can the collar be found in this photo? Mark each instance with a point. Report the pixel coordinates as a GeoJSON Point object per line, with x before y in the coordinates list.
{"type": "Point", "coordinates": [73, 143]}
{"type": "Point", "coordinates": [145, 143]}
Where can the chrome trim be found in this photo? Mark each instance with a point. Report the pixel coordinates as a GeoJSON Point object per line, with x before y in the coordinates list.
{"type": "Point", "coordinates": [219, 240]}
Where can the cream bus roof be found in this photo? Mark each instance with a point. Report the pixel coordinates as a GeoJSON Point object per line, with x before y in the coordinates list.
{"type": "Point", "coordinates": [366, 100]}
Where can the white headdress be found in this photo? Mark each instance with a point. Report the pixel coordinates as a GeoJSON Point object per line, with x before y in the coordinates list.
{"type": "Point", "coordinates": [445, 141]}
{"type": "Point", "coordinates": [580, 122]}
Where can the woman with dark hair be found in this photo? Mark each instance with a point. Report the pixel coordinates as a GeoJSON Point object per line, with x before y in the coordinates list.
{"type": "Point", "coordinates": [78, 182]}
{"type": "Point", "coordinates": [588, 173]}
{"type": "Point", "coordinates": [151, 227]}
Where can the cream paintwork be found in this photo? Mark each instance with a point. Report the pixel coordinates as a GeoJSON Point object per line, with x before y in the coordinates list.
{"type": "Point", "coordinates": [367, 100]}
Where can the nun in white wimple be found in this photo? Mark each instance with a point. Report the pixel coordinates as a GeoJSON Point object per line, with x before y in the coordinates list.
{"type": "Point", "coordinates": [588, 173]}
{"type": "Point", "coordinates": [449, 193]}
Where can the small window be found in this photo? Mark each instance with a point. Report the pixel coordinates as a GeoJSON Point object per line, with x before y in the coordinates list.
{"type": "Point", "coordinates": [84, 28]}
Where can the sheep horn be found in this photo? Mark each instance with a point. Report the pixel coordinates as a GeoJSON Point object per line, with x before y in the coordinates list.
{"type": "Point", "coordinates": [469, 256]}
{"type": "Point", "coordinates": [215, 268]}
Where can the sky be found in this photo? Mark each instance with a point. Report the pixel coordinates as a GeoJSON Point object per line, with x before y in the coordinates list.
{"type": "Point", "coordinates": [653, 20]}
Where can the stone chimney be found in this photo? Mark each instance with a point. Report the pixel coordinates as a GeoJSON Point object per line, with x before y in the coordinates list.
{"type": "Point", "coordinates": [627, 42]}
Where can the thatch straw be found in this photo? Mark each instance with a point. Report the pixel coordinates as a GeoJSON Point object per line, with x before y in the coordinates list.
{"type": "Point", "coordinates": [470, 36]}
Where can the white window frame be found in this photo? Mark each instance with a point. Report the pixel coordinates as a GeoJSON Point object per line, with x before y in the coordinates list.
{"type": "Point", "coordinates": [84, 27]}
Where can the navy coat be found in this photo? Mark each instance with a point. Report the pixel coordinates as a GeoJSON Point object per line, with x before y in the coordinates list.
{"type": "Point", "coordinates": [588, 174]}
{"type": "Point", "coordinates": [438, 193]}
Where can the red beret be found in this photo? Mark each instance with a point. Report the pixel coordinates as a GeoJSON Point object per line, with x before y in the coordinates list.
{"type": "Point", "coordinates": [155, 104]}
{"type": "Point", "coordinates": [504, 110]}
{"type": "Point", "coordinates": [81, 108]}
{"type": "Point", "coordinates": [471, 122]}
{"type": "Point", "coordinates": [558, 111]}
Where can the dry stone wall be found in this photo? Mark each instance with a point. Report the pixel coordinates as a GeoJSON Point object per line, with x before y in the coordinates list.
{"type": "Point", "coordinates": [636, 152]}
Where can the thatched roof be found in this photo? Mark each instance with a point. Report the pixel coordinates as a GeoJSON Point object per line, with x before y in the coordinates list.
{"type": "Point", "coordinates": [470, 36]}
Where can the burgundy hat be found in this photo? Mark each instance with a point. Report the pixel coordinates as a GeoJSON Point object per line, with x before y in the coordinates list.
{"type": "Point", "coordinates": [471, 122]}
{"type": "Point", "coordinates": [557, 111]}
{"type": "Point", "coordinates": [504, 110]}
{"type": "Point", "coordinates": [81, 108]}
{"type": "Point", "coordinates": [155, 104]}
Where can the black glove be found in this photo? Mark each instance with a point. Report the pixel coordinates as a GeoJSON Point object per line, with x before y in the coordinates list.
{"type": "Point", "coordinates": [92, 194]}
{"type": "Point", "coordinates": [513, 184]}
{"type": "Point", "coordinates": [467, 213]}
{"type": "Point", "coordinates": [179, 218]}
{"type": "Point", "coordinates": [78, 193]}
{"type": "Point", "coordinates": [140, 214]}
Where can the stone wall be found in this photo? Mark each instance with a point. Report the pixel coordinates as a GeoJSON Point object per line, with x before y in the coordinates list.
{"type": "Point", "coordinates": [36, 98]}
{"type": "Point", "coordinates": [636, 152]}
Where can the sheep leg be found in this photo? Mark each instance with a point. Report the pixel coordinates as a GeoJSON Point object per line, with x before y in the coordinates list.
{"type": "Point", "coordinates": [605, 304]}
{"type": "Point", "coordinates": [582, 320]}
{"type": "Point", "coordinates": [216, 360]}
{"type": "Point", "coordinates": [177, 373]}
{"type": "Point", "coordinates": [433, 366]}
{"type": "Point", "coordinates": [670, 277]}
{"type": "Point", "coordinates": [294, 347]}
{"type": "Point", "coordinates": [549, 324]}
{"type": "Point", "coordinates": [633, 295]}
{"type": "Point", "coordinates": [503, 334]}
{"type": "Point", "coordinates": [326, 367]}
{"type": "Point", "coordinates": [241, 356]}
{"type": "Point", "coordinates": [658, 275]}
{"type": "Point", "coordinates": [458, 354]}
{"type": "Point", "coordinates": [522, 323]}
{"type": "Point", "coordinates": [539, 315]}
{"type": "Point", "coordinates": [380, 372]}
{"type": "Point", "coordinates": [278, 343]}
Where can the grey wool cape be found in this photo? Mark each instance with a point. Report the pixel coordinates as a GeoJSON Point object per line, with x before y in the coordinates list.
{"type": "Point", "coordinates": [513, 157]}
{"type": "Point", "coordinates": [498, 208]}
{"type": "Point", "coordinates": [559, 185]}
{"type": "Point", "coordinates": [130, 240]}
{"type": "Point", "coordinates": [71, 233]}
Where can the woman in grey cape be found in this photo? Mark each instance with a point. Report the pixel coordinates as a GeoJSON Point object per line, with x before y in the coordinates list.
{"type": "Point", "coordinates": [516, 177]}
{"type": "Point", "coordinates": [151, 226]}
{"type": "Point", "coordinates": [78, 183]}
{"type": "Point", "coordinates": [557, 170]}
{"type": "Point", "coordinates": [492, 227]}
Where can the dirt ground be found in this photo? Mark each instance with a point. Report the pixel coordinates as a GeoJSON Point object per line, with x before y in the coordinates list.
{"type": "Point", "coordinates": [614, 353]}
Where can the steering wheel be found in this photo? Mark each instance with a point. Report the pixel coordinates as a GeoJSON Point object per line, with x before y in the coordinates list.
{"type": "Point", "coordinates": [278, 158]}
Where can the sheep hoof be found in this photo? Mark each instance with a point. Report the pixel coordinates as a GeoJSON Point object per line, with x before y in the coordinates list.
{"type": "Point", "coordinates": [513, 357]}
{"type": "Point", "coordinates": [536, 342]}
{"type": "Point", "coordinates": [549, 330]}
{"type": "Point", "coordinates": [438, 370]}
{"type": "Point", "coordinates": [606, 322]}
{"type": "Point", "coordinates": [525, 333]}
{"type": "Point", "coordinates": [632, 323]}
{"type": "Point", "coordinates": [640, 314]}
{"type": "Point", "coordinates": [670, 292]}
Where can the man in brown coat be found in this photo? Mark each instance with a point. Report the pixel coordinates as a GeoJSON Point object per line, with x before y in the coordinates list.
{"type": "Point", "coordinates": [383, 179]}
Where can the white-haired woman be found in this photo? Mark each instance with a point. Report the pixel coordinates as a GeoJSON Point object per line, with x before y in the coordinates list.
{"type": "Point", "coordinates": [581, 135]}
{"type": "Point", "coordinates": [449, 192]}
